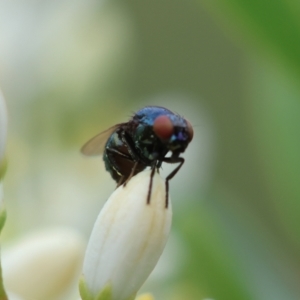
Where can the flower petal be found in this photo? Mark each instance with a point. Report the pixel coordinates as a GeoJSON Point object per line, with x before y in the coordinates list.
{"type": "Point", "coordinates": [128, 238]}
{"type": "Point", "coordinates": [43, 265]}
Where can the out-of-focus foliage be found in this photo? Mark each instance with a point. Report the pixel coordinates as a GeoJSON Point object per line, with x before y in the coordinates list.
{"type": "Point", "coordinates": [71, 69]}
{"type": "Point", "coordinates": [273, 26]}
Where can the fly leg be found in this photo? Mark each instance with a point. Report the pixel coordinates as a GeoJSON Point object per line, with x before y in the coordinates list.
{"type": "Point", "coordinates": [127, 140]}
{"type": "Point", "coordinates": [131, 173]}
{"type": "Point", "coordinates": [154, 167]}
{"type": "Point", "coordinates": [111, 152]}
{"type": "Point", "coordinates": [134, 156]}
{"type": "Point", "coordinates": [172, 160]}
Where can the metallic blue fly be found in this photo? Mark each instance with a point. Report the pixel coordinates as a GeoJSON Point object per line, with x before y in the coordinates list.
{"type": "Point", "coordinates": [144, 141]}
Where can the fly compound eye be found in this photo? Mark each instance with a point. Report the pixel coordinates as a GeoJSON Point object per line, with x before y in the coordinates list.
{"type": "Point", "coordinates": [163, 127]}
{"type": "Point", "coordinates": [190, 130]}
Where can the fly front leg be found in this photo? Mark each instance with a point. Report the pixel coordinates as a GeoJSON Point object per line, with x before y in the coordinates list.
{"type": "Point", "coordinates": [172, 160]}
{"type": "Point", "coordinates": [121, 180]}
{"type": "Point", "coordinates": [153, 168]}
{"type": "Point", "coordinates": [134, 156]}
{"type": "Point", "coordinates": [131, 173]}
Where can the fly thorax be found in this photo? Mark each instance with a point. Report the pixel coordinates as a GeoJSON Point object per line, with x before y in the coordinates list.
{"type": "Point", "coordinates": [147, 143]}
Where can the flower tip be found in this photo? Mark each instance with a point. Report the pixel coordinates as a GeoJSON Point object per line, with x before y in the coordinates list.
{"type": "Point", "coordinates": [138, 187]}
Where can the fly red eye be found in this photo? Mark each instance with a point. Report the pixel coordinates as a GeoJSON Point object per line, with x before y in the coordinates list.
{"type": "Point", "coordinates": [190, 129]}
{"type": "Point", "coordinates": [163, 127]}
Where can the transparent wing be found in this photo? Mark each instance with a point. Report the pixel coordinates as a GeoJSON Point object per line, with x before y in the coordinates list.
{"type": "Point", "coordinates": [95, 146]}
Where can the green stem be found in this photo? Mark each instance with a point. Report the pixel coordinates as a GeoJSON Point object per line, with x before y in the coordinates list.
{"type": "Point", "coordinates": [3, 295]}
{"type": "Point", "coordinates": [3, 167]}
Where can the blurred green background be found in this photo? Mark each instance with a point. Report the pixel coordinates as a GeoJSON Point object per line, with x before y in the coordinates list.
{"type": "Point", "coordinates": [70, 69]}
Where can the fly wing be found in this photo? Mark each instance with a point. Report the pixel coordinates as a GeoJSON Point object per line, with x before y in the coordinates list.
{"type": "Point", "coordinates": [95, 146]}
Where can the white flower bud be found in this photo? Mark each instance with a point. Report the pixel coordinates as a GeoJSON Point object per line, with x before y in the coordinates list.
{"type": "Point", "coordinates": [43, 265]}
{"type": "Point", "coordinates": [127, 239]}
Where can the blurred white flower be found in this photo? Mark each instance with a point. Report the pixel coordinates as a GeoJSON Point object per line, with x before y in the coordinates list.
{"type": "Point", "coordinates": [12, 296]}
{"type": "Point", "coordinates": [127, 239]}
{"type": "Point", "coordinates": [44, 265]}
{"type": "Point", "coordinates": [3, 131]}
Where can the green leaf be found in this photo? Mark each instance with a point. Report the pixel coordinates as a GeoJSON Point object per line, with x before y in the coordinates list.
{"type": "Point", "coordinates": [3, 167]}
{"type": "Point", "coordinates": [265, 23]}
{"type": "Point", "coordinates": [2, 218]}
{"type": "Point", "coordinates": [211, 264]}
{"type": "Point", "coordinates": [3, 295]}
{"type": "Point", "coordinates": [274, 108]}
{"type": "Point", "coordinates": [105, 294]}
{"type": "Point", "coordinates": [132, 297]}
{"type": "Point", "coordinates": [84, 291]}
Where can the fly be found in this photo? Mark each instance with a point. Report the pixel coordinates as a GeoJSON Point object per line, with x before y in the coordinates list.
{"type": "Point", "coordinates": [144, 141]}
